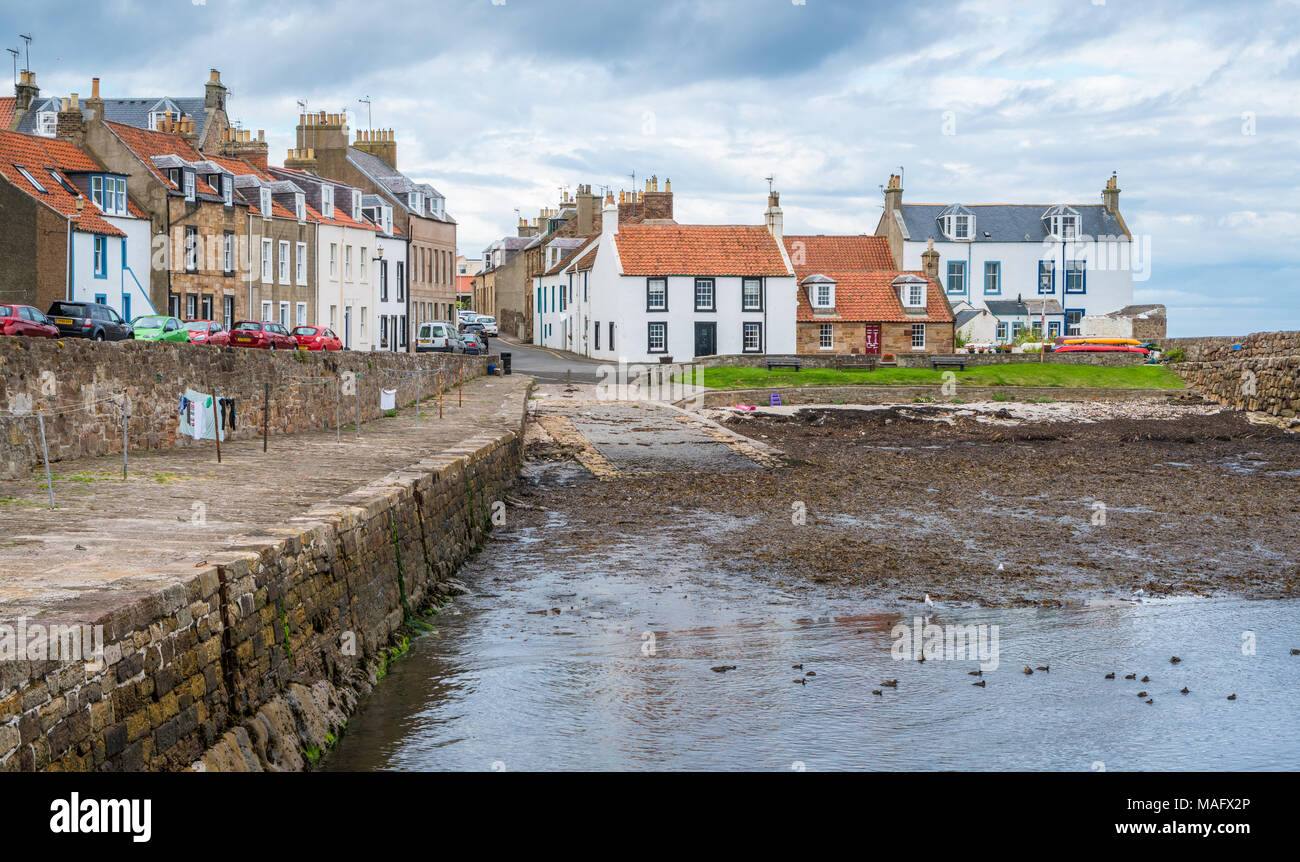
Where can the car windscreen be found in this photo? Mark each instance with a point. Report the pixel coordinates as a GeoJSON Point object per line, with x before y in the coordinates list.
{"type": "Point", "coordinates": [248, 325]}
{"type": "Point", "coordinates": [68, 309]}
{"type": "Point", "coordinates": [197, 325]}
{"type": "Point", "coordinates": [304, 330]}
{"type": "Point", "coordinates": [149, 322]}
{"type": "Point", "coordinates": [6, 311]}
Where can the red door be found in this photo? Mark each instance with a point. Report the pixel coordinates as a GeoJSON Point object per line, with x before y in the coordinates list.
{"type": "Point", "coordinates": [873, 338]}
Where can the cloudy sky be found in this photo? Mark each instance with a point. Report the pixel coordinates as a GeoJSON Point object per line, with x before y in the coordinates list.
{"type": "Point", "coordinates": [500, 103]}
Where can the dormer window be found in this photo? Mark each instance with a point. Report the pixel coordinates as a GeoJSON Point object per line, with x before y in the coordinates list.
{"type": "Point", "coordinates": [300, 206]}
{"type": "Point", "coordinates": [109, 194]}
{"type": "Point", "coordinates": [387, 219]}
{"type": "Point", "coordinates": [821, 291]}
{"type": "Point", "coordinates": [188, 178]}
{"type": "Point", "coordinates": [356, 205]}
{"type": "Point", "coordinates": [224, 184]}
{"type": "Point", "coordinates": [957, 223]}
{"type": "Point", "coordinates": [47, 123]}
{"type": "Point", "coordinates": [265, 203]}
{"type": "Point", "coordinates": [911, 291]}
{"type": "Point", "coordinates": [327, 201]}
{"type": "Point", "coordinates": [1062, 222]}
{"type": "Point", "coordinates": [416, 201]}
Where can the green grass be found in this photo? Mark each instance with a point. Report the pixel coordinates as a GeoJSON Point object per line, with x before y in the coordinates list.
{"type": "Point", "coordinates": [1019, 374]}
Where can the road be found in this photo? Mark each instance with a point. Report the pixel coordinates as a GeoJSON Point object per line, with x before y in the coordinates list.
{"type": "Point", "coordinates": [547, 366]}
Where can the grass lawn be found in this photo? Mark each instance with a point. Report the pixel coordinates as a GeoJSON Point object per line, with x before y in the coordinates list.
{"type": "Point", "coordinates": [1019, 374]}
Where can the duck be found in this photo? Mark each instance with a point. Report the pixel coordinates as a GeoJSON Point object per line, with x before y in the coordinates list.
{"type": "Point", "coordinates": [1295, 652]}
{"type": "Point", "coordinates": [1185, 690]}
{"type": "Point", "coordinates": [1146, 679]}
{"type": "Point", "coordinates": [801, 681]}
{"type": "Point", "coordinates": [1142, 694]}
{"type": "Point", "coordinates": [1110, 675]}
{"type": "Point", "coordinates": [723, 668]}
{"type": "Point", "coordinates": [1028, 670]}
{"type": "Point", "coordinates": [1174, 659]}
{"type": "Point", "coordinates": [890, 683]}
{"type": "Point", "coordinates": [1151, 700]}
{"type": "Point", "coordinates": [1130, 676]}
{"type": "Point", "coordinates": [877, 691]}
{"type": "Point", "coordinates": [811, 673]}
{"type": "Point", "coordinates": [982, 683]}
{"type": "Point", "coordinates": [1046, 668]}
{"type": "Point", "coordinates": [796, 667]}
{"type": "Point", "coordinates": [1232, 697]}
{"type": "Point", "coordinates": [975, 672]}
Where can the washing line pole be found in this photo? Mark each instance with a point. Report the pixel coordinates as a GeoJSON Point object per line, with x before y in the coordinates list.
{"type": "Point", "coordinates": [125, 406]}
{"type": "Point", "coordinates": [266, 411]}
{"type": "Point", "coordinates": [216, 424]}
{"type": "Point", "coordinates": [45, 452]}
{"type": "Point", "coordinates": [418, 373]}
{"type": "Point", "coordinates": [357, 392]}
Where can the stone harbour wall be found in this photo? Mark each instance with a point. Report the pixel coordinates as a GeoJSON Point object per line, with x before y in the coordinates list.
{"type": "Point", "coordinates": [912, 394]}
{"type": "Point", "coordinates": [256, 661]}
{"type": "Point", "coordinates": [1260, 371]}
{"type": "Point", "coordinates": [80, 385]}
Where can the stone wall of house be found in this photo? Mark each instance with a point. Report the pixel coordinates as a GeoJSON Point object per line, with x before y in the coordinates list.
{"type": "Point", "coordinates": [255, 661]}
{"type": "Point", "coordinates": [826, 359]}
{"type": "Point", "coordinates": [926, 394]}
{"type": "Point", "coordinates": [851, 337]}
{"type": "Point", "coordinates": [1260, 371]}
{"type": "Point", "coordinates": [83, 383]}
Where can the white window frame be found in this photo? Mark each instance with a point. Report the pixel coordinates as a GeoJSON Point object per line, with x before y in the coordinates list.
{"type": "Point", "coordinates": [283, 261]}
{"type": "Point", "coordinates": [47, 123]}
{"type": "Point", "coordinates": [347, 262]}
{"type": "Point", "coordinates": [300, 206]}
{"type": "Point", "coordinates": [189, 184]}
{"type": "Point", "coordinates": [825, 336]}
{"type": "Point", "coordinates": [649, 292]}
{"type": "Point", "coordinates": [362, 270]}
{"type": "Point", "coordinates": [757, 284]}
{"type": "Point", "coordinates": [918, 332]}
{"type": "Point", "coordinates": [267, 252]}
{"type": "Point", "coordinates": [334, 260]}
{"type": "Point", "coordinates": [301, 317]}
{"type": "Point", "coordinates": [710, 289]}
{"type": "Point", "coordinates": [266, 309]}
{"type": "Point", "coordinates": [327, 201]}
{"type": "Point", "coordinates": [356, 205]}
{"type": "Point", "coordinates": [751, 330]}
{"type": "Point", "coordinates": [300, 263]}
{"type": "Point", "coordinates": [228, 253]}
{"type": "Point", "coordinates": [824, 295]}
{"type": "Point", "coordinates": [265, 203]}
{"type": "Point", "coordinates": [283, 319]}
{"type": "Point", "coordinates": [661, 339]}
{"type": "Point", "coordinates": [915, 295]}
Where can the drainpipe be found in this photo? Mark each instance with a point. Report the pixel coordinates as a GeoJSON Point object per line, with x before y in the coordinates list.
{"type": "Point", "coordinates": [68, 262]}
{"type": "Point", "coordinates": [250, 267]}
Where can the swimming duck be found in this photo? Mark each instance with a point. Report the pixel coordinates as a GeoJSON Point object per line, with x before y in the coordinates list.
{"type": "Point", "coordinates": [796, 667]}
{"type": "Point", "coordinates": [1151, 700]}
{"type": "Point", "coordinates": [723, 668]}
{"type": "Point", "coordinates": [1142, 694]}
{"type": "Point", "coordinates": [982, 683]}
{"type": "Point", "coordinates": [1174, 660]}
{"type": "Point", "coordinates": [1146, 679]}
{"type": "Point", "coordinates": [1046, 668]}
{"type": "Point", "coordinates": [811, 673]}
{"type": "Point", "coordinates": [890, 683]}
{"type": "Point", "coordinates": [1295, 652]}
{"type": "Point", "coordinates": [1232, 697]}
{"type": "Point", "coordinates": [1185, 690]}
{"type": "Point", "coordinates": [975, 672]}
{"type": "Point", "coordinates": [801, 681]}
{"type": "Point", "coordinates": [877, 691]}
{"type": "Point", "coordinates": [1028, 670]}
{"type": "Point", "coordinates": [1110, 675]}
{"type": "Point", "coordinates": [1130, 676]}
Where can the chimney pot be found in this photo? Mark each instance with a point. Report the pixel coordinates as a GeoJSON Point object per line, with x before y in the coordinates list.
{"type": "Point", "coordinates": [214, 76]}
{"type": "Point", "coordinates": [94, 88]}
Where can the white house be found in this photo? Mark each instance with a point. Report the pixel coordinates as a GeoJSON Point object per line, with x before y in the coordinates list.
{"type": "Point", "coordinates": [652, 289]}
{"type": "Point", "coordinates": [389, 277]}
{"type": "Point", "coordinates": [112, 270]}
{"type": "Point", "coordinates": [1079, 257]}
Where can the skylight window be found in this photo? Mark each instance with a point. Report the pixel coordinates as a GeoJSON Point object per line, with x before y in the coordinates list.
{"type": "Point", "coordinates": [31, 179]}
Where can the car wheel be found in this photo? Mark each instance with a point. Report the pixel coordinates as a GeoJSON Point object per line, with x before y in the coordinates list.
{"type": "Point", "coordinates": [272, 347]}
{"type": "Point", "coordinates": [99, 336]}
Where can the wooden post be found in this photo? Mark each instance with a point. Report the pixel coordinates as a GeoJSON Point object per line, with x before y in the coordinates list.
{"type": "Point", "coordinates": [45, 452]}
{"type": "Point", "coordinates": [460, 379]}
{"type": "Point", "coordinates": [440, 394]}
{"type": "Point", "coordinates": [418, 373]}
{"type": "Point", "coordinates": [266, 411]}
{"type": "Point", "coordinates": [125, 406]}
{"type": "Point", "coordinates": [338, 397]}
{"type": "Point", "coordinates": [216, 424]}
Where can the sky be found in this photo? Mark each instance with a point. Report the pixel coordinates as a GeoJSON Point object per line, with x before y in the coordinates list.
{"type": "Point", "coordinates": [502, 103]}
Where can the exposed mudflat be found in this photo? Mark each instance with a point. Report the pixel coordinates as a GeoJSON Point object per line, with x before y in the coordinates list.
{"type": "Point", "coordinates": [989, 508]}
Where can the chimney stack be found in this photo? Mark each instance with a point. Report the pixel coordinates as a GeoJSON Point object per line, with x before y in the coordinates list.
{"type": "Point", "coordinates": [214, 93]}
{"type": "Point", "coordinates": [893, 193]}
{"type": "Point", "coordinates": [657, 204]}
{"type": "Point", "coordinates": [1110, 194]}
{"type": "Point", "coordinates": [610, 216]}
{"type": "Point", "coordinates": [25, 92]}
{"type": "Point", "coordinates": [71, 124]}
{"type": "Point", "coordinates": [930, 261]}
{"type": "Point", "coordinates": [773, 217]}
{"type": "Point", "coordinates": [381, 143]}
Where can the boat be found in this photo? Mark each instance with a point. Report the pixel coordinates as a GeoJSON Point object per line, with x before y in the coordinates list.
{"type": "Point", "coordinates": [1133, 342]}
{"type": "Point", "coordinates": [1101, 348]}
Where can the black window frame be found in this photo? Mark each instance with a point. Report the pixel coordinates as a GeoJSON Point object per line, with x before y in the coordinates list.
{"type": "Point", "coordinates": [761, 294]}
{"type": "Point", "coordinates": [650, 324]}
{"type": "Point", "coordinates": [745, 323]}
{"type": "Point", "coordinates": [713, 294]}
{"type": "Point", "coordinates": [611, 336]}
{"type": "Point", "coordinates": [648, 306]}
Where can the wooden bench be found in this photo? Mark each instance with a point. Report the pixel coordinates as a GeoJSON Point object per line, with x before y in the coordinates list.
{"type": "Point", "coordinates": [796, 364]}
{"type": "Point", "coordinates": [947, 362]}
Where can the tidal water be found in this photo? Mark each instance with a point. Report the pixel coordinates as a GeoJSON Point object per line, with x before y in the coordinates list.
{"type": "Point", "coordinates": [554, 667]}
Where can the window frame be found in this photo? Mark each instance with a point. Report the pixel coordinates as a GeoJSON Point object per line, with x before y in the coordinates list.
{"type": "Point", "coordinates": [650, 337]}
{"type": "Point", "coordinates": [1082, 272]}
{"type": "Point", "coordinates": [918, 328]}
{"type": "Point", "coordinates": [960, 266]}
{"type": "Point", "coordinates": [825, 336]}
{"type": "Point", "coordinates": [713, 294]}
{"type": "Point", "coordinates": [282, 262]}
{"type": "Point", "coordinates": [191, 248]}
{"type": "Point", "coordinates": [100, 259]}
{"type": "Point", "coordinates": [268, 264]}
{"type": "Point", "coordinates": [997, 269]}
{"type": "Point", "coordinates": [744, 284]}
{"type": "Point", "coordinates": [1051, 280]}
{"type": "Point", "coordinates": [650, 281]}
{"type": "Point", "coordinates": [300, 264]}
{"type": "Point", "coordinates": [745, 326]}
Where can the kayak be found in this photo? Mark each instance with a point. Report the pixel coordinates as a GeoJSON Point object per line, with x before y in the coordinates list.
{"type": "Point", "coordinates": [1100, 348]}
{"type": "Point", "coordinates": [1129, 341]}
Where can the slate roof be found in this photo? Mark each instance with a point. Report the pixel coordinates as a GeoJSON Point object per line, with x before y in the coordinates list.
{"type": "Point", "coordinates": [147, 145]}
{"type": "Point", "coordinates": [396, 182]}
{"type": "Point", "coordinates": [966, 315]}
{"type": "Point", "coordinates": [1021, 308]}
{"type": "Point", "coordinates": [1005, 222]}
{"type": "Point", "coordinates": [872, 298]}
{"type": "Point", "coordinates": [39, 156]}
{"type": "Point", "coordinates": [819, 253]}
{"type": "Point", "coordinates": [717, 250]}
{"type": "Point", "coordinates": [569, 246]}
{"type": "Point", "coordinates": [128, 112]}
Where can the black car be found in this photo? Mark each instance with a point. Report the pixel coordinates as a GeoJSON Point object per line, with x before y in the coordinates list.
{"type": "Point", "coordinates": [89, 320]}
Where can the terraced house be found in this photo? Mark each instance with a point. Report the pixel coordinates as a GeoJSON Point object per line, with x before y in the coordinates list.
{"type": "Point", "coordinates": [1078, 259]}
{"type": "Point", "coordinates": [419, 210]}
{"type": "Point", "coordinates": [71, 230]}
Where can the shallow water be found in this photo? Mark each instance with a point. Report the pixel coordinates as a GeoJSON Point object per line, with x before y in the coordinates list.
{"type": "Point", "coordinates": [549, 666]}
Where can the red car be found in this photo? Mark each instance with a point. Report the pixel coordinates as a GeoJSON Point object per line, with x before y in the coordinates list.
{"type": "Point", "coordinates": [265, 334]}
{"type": "Point", "coordinates": [25, 320]}
{"type": "Point", "coordinates": [316, 338]}
{"type": "Point", "coordinates": [208, 332]}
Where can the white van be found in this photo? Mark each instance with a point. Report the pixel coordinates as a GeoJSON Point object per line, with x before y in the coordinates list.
{"type": "Point", "coordinates": [438, 335]}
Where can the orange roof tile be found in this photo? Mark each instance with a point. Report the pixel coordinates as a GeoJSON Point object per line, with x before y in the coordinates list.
{"type": "Point", "coordinates": [8, 105]}
{"type": "Point", "coordinates": [673, 249]}
{"type": "Point", "coordinates": [146, 144]}
{"type": "Point", "coordinates": [871, 297]}
{"type": "Point", "coordinates": [862, 253]}
{"type": "Point", "coordinates": [39, 157]}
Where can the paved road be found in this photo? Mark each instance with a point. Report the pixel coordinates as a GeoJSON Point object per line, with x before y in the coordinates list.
{"type": "Point", "coordinates": [547, 366]}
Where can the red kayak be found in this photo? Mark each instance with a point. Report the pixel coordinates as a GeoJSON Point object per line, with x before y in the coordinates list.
{"type": "Point", "coordinates": [1100, 348]}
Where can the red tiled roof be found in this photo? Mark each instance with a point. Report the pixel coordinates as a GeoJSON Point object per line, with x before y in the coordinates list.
{"type": "Point", "coordinates": [809, 254]}
{"type": "Point", "coordinates": [8, 105]}
{"type": "Point", "coordinates": [146, 144]}
{"type": "Point", "coordinates": [40, 156]}
{"type": "Point", "coordinates": [872, 297]}
{"type": "Point", "coordinates": [672, 249]}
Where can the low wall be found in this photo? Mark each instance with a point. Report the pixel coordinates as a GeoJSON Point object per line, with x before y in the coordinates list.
{"type": "Point", "coordinates": [915, 360]}
{"type": "Point", "coordinates": [1262, 374]}
{"type": "Point", "coordinates": [83, 381]}
{"type": "Point", "coordinates": [907, 394]}
{"type": "Point", "coordinates": [1115, 360]}
{"type": "Point", "coordinates": [255, 661]}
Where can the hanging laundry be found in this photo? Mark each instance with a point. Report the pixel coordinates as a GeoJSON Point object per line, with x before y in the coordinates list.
{"type": "Point", "coordinates": [387, 399]}
{"type": "Point", "coordinates": [227, 413]}
{"type": "Point", "coordinates": [198, 418]}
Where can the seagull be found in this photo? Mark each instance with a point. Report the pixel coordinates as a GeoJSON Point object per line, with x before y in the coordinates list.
{"type": "Point", "coordinates": [1000, 567]}
{"type": "Point", "coordinates": [928, 602]}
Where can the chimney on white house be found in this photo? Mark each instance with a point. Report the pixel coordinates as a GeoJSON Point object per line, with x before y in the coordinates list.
{"type": "Point", "coordinates": [609, 217]}
{"type": "Point", "coordinates": [773, 216]}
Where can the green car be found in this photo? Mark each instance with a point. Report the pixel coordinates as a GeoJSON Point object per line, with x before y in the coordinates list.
{"type": "Point", "coordinates": [156, 327]}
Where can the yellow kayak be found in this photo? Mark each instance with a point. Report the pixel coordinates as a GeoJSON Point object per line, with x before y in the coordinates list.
{"type": "Point", "coordinates": [1131, 341]}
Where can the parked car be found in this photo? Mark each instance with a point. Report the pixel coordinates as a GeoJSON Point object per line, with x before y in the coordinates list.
{"type": "Point", "coordinates": [473, 343]}
{"type": "Point", "coordinates": [463, 317]}
{"type": "Point", "coordinates": [25, 320]}
{"type": "Point", "coordinates": [316, 338]}
{"type": "Point", "coordinates": [468, 326]}
{"type": "Point", "coordinates": [208, 332]}
{"type": "Point", "coordinates": [88, 320]}
{"type": "Point", "coordinates": [159, 327]}
{"type": "Point", "coordinates": [489, 325]}
{"type": "Point", "coordinates": [264, 334]}
{"type": "Point", "coordinates": [438, 335]}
